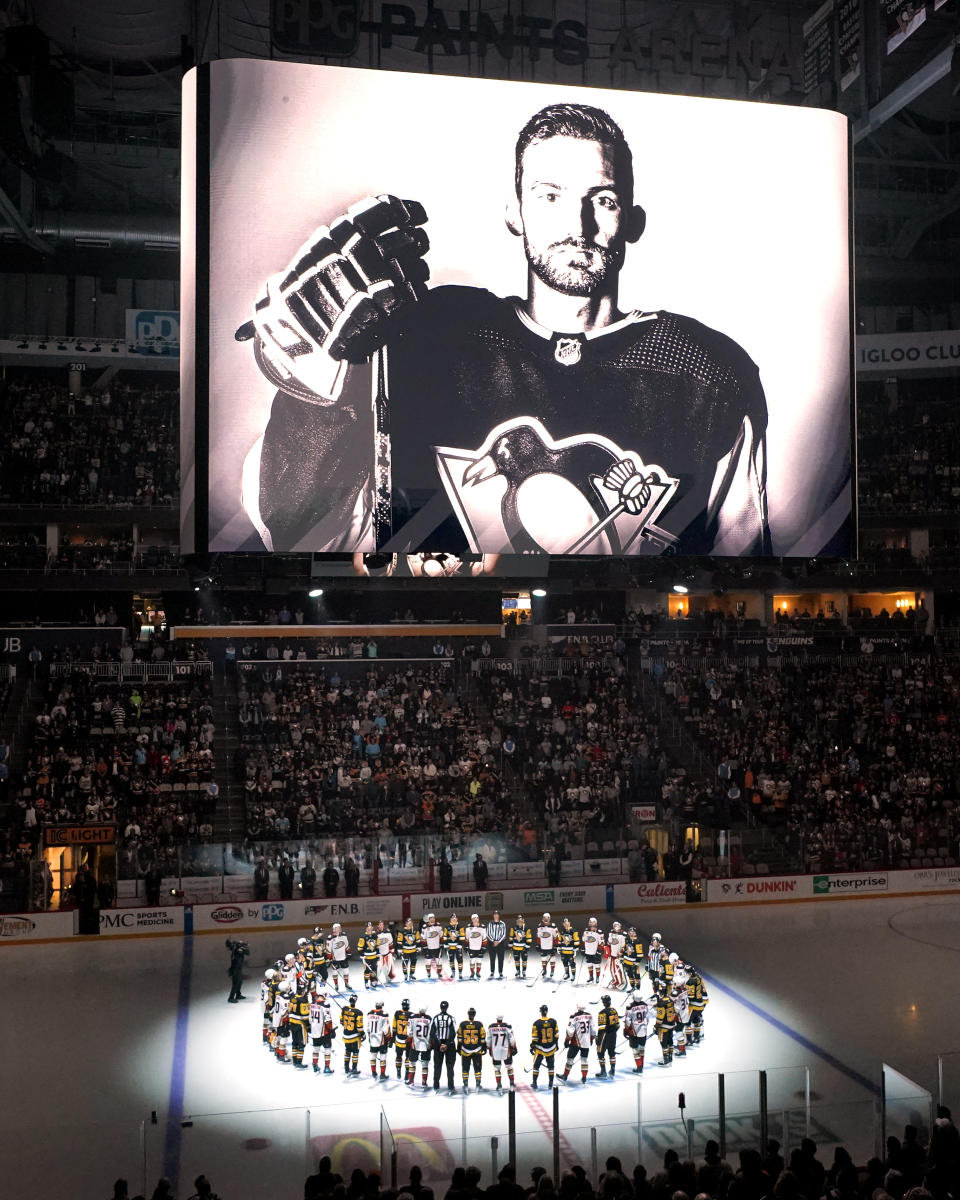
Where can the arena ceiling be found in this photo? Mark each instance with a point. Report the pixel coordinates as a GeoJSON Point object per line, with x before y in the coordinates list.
{"type": "Point", "coordinates": [97, 141]}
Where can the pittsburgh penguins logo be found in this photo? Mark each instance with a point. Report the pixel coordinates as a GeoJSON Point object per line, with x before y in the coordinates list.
{"type": "Point", "coordinates": [522, 492]}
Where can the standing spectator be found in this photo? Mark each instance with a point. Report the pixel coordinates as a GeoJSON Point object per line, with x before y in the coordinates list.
{"type": "Point", "coordinates": [445, 873]}
{"type": "Point", "coordinates": [331, 880]}
{"type": "Point", "coordinates": [480, 873]}
{"type": "Point", "coordinates": [261, 880]}
{"type": "Point", "coordinates": [351, 874]}
{"type": "Point", "coordinates": [308, 880]}
{"type": "Point", "coordinates": [151, 882]}
{"type": "Point", "coordinates": [285, 877]}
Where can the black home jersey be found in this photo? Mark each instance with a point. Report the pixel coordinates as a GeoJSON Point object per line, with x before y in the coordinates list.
{"type": "Point", "coordinates": [478, 391]}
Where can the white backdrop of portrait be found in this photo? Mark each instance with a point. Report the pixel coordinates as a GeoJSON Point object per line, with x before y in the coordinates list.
{"type": "Point", "coordinates": [746, 231]}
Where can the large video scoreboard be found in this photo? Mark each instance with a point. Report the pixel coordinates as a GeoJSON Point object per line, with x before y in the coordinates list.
{"type": "Point", "coordinates": [443, 315]}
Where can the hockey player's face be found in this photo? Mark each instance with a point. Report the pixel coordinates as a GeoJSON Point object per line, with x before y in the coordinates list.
{"type": "Point", "coordinates": [572, 213]}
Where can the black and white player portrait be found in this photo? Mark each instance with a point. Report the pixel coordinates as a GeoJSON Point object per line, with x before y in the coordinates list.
{"type": "Point", "coordinates": [473, 317]}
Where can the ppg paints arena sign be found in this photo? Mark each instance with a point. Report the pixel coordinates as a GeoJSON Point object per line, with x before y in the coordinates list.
{"type": "Point", "coordinates": [366, 31]}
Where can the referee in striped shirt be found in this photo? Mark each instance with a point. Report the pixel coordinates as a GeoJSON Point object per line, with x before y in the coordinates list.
{"type": "Point", "coordinates": [496, 943]}
{"type": "Point", "coordinates": [443, 1039]}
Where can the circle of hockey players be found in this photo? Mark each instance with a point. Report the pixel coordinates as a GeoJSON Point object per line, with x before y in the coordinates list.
{"type": "Point", "coordinates": [594, 1003]}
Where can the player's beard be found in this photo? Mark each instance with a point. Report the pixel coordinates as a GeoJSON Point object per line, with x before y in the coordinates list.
{"type": "Point", "coordinates": [554, 268]}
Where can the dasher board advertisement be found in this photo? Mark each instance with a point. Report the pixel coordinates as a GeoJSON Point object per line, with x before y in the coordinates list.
{"type": "Point", "coordinates": [474, 317]}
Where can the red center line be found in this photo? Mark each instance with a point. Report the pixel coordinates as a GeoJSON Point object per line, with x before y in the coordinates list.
{"type": "Point", "coordinates": [545, 1121]}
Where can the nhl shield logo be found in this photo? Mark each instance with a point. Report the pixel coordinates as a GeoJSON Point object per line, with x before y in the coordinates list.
{"type": "Point", "coordinates": [567, 351]}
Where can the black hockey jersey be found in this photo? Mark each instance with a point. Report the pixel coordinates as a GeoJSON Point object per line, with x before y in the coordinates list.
{"type": "Point", "coordinates": [474, 382]}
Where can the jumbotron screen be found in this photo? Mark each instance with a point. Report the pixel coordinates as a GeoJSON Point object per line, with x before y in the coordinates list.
{"type": "Point", "coordinates": [444, 315]}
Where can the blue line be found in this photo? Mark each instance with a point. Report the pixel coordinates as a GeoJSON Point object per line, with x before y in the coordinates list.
{"type": "Point", "coordinates": [819, 1051]}
{"type": "Point", "coordinates": [178, 1071]}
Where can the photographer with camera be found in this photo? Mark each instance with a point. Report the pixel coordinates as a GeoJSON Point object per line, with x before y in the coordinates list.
{"type": "Point", "coordinates": [238, 952]}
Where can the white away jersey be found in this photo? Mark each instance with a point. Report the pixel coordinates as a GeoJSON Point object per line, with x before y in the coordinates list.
{"type": "Point", "coordinates": [431, 936]}
{"type": "Point", "coordinates": [281, 1007]}
{"type": "Point", "coordinates": [547, 937]}
{"type": "Point", "coordinates": [580, 1030]}
{"type": "Point", "coordinates": [616, 942]}
{"type": "Point", "coordinates": [475, 935]}
{"type": "Point", "coordinates": [338, 948]}
{"type": "Point", "coordinates": [635, 1020]}
{"type": "Point", "coordinates": [384, 943]}
{"type": "Point", "coordinates": [592, 941]}
{"type": "Point", "coordinates": [500, 1040]}
{"type": "Point", "coordinates": [321, 1018]}
{"type": "Point", "coordinates": [378, 1028]}
{"type": "Point", "coordinates": [418, 1028]}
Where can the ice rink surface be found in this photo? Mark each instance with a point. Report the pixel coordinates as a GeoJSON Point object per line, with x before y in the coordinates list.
{"type": "Point", "coordinates": [122, 1057]}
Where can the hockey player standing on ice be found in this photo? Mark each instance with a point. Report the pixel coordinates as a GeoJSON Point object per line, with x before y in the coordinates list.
{"type": "Point", "coordinates": [569, 945]}
{"type": "Point", "coordinates": [322, 1032]}
{"type": "Point", "coordinates": [431, 938]}
{"type": "Point", "coordinates": [632, 957]}
{"type": "Point", "coordinates": [681, 1006]}
{"type": "Point", "coordinates": [616, 941]}
{"type": "Point", "coordinates": [475, 936]}
{"type": "Point", "coordinates": [385, 947]}
{"type": "Point", "coordinates": [409, 945]}
{"type": "Point", "coordinates": [471, 1046]}
{"type": "Point", "coordinates": [635, 1027]}
{"type": "Point", "coordinates": [665, 1022]}
{"type": "Point", "coordinates": [592, 943]}
{"type": "Point", "coordinates": [520, 939]}
{"type": "Point", "coordinates": [453, 940]}
{"type": "Point", "coordinates": [367, 949]}
{"type": "Point", "coordinates": [502, 1046]}
{"type": "Point", "coordinates": [697, 991]}
{"type": "Point", "coordinates": [321, 963]}
{"type": "Point", "coordinates": [268, 990]}
{"type": "Point", "coordinates": [401, 1034]}
{"type": "Point", "coordinates": [418, 1028]}
{"type": "Point", "coordinates": [608, 1023]}
{"type": "Point", "coordinates": [667, 412]}
{"type": "Point", "coordinates": [281, 1006]}
{"type": "Point", "coordinates": [351, 1022]}
{"type": "Point", "coordinates": [443, 1043]}
{"type": "Point", "coordinates": [580, 1035]}
{"type": "Point", "coordinates": [548, 938]}
{"type": "Point", "coordinates": [298, 1019]}
{"type": "Point", "coordinates": [496, 943]}
{"type": "Point", "coordinates": [338, 952]}
{"type": "Point", "coordinates": [544, 1043]}
{"type": "Point", "coordinates": [378, 1035]}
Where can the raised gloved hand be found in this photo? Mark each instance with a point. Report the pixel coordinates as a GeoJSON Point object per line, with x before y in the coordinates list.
{"type": "Point", "coordinates": [333, 302]}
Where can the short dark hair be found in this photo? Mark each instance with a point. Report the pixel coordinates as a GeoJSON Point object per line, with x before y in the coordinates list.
{"type": "Point", "coordinates": [581, 121]}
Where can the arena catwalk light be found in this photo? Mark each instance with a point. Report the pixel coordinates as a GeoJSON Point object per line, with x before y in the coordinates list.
{"type": "Point", "coordinates": [539, 593]}
{"type": "Point", "coordinates": [680, 588]}
{"type": "Point", "coordinates": [314, 593]}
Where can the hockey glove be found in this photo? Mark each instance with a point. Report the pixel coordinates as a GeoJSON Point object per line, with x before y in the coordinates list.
{"type": "Point", "coordinates": [332, 303]}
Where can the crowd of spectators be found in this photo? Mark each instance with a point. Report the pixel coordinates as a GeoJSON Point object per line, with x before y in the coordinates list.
{"type": "Point", "coordinates": [140, 757]}
{"type": "Point", "coordinates": [851, 768]}
{"type": "Point", "coordinates": [396, 753]}
{"type": "Point", "coordinates": [921, 1166]}
{"type": "Point", "coordinates": [116, 446]}
{"type": "Point", "coordinates": [909, 455]}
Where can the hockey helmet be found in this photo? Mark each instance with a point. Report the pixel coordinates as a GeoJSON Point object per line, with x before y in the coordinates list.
{"type": "Point", "coordinates": [474, 916]}
{"type": "Point", "coordinates": [673, 957]}
{"type": "Point", "coordinates": [369, 925]}
{"type": "Point", "coordinates": [405, 1004]}
{"type": "Point", "coordinates": [592, 923]}
{"type": "Point", "coordinates": [521, 917]}
{"type": "Point", "coordinates": [321, 996]}
{"type": "Point", "coordinates": [655, 937]}
{"type": "Point", "coordinates": [454, 919]}
{"type": "Point", "coordinates": [302, 941]}
{"type": "Point", "coordinates": [545, 917]}
{"type": "Point", "coordinates": [566, 922]}
{"type": "Point", "coordinates": [421, 1009]}
{"type": "Point", "coordinates": [605, 1001]}
{"type": "Point", "coordinates": [408, 923]}
{"type": "Point", "coordinates": [269, 973]}
{"type": "Point", "coordinates": [379, 1005]}
{"type": "Point", "coordinates": [636, 997]}
{"type": "Point", "coordinates": [617, 927]}
{"type": "Point", "coordinates": [543, 1010]}
{"type": "Point", "coordinates": [499, 1016]}
{"type": "Point", "coordinates": [353, 999]}
{"type": "Point", "coordinates": [471, 1013]}
{"type": "Point", "coordinates": [444, 1005]}
{"type": "Point", "coordinates": [633, 930]}
{"type": "Point", "coordinates": [336, 927]}
{"type": "Point", "coordinates": [285, 986]}
{"type": "Point", "coordinates": [290, 958]}
{"type": "Point", "coordinates": [430, 917]}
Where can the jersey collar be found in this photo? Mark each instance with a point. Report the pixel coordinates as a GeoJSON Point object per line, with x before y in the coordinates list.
{"type": "Point", "coordinates": [631, 318]}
